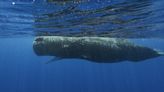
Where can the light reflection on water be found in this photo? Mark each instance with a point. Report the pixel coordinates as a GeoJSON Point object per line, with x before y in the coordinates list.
{"type": "Point", "coordinates": [107, 18]}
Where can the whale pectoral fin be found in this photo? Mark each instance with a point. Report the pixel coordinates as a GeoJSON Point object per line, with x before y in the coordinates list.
{"type": "Point", "coordinates": [53, 60]}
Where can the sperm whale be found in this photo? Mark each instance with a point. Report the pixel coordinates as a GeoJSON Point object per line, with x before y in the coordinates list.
{"type": "Point", "coordinates": [95, 49]}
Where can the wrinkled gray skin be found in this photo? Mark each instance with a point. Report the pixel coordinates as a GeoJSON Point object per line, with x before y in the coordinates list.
{"type": "Point", "coordinates": [96, 49]}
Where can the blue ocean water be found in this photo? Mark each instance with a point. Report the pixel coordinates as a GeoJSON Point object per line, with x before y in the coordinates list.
{"type": "Point", "coordinates": [21, 70]}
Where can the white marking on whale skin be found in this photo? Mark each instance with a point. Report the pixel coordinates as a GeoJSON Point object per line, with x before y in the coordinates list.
{"type": "Point", "coordinates": [96, 49]}
{"type": "Point", "coordinates": [65, 45]}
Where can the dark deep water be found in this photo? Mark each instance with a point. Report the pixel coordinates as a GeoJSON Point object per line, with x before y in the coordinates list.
{"type": "Point", "coordinates": [21, 70]}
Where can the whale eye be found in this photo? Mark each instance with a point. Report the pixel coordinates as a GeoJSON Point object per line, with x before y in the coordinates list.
{"type": "Point", "coordinates": [39, 39]}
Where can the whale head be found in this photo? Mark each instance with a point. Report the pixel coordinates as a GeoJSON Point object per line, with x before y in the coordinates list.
{"type": "Point", "coordinates": [43, 46]}
{"type": "Point", "coordinates": [39, 46]}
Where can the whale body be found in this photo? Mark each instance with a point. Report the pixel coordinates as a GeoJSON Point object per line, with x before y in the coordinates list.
{"type": "Point", "coordinates": [95, 49]}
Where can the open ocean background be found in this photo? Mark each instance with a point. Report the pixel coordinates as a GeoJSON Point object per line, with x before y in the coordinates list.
{"type": "Point", "coordinates": [21, 70]}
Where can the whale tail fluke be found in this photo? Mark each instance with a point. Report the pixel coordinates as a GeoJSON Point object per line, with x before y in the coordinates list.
{"type": "Point", "coordinates": [161, 53]}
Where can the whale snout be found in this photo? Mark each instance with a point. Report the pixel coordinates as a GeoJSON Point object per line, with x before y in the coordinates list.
{"type": "Point", "coordinates": [39, 39]}
{"type": "Point", "coordinates": [38, 46]}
